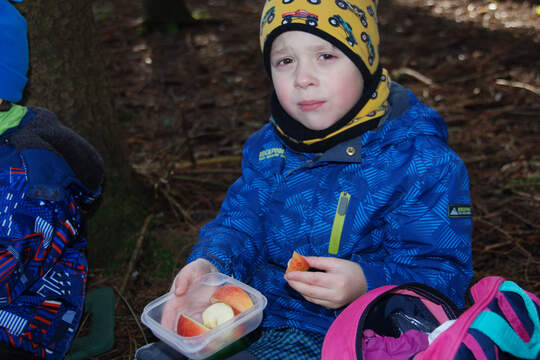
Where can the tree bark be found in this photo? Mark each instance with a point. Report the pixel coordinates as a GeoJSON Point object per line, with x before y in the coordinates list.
{"type": "Point", "coordinates": [162, 12]}
{"type": "Point", "coordinates": [68, 76]}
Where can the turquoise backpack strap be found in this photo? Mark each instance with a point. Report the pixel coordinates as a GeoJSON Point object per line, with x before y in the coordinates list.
{"type": "Point", "coordinates": [497, 328]}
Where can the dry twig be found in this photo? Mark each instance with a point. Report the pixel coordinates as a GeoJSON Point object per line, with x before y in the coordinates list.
{"type": "Point", "coordinates": [135, 317]}
{"type": "Point", "coordinates": [517, 84]}
{"type": "Point", "coordinates": [511, 240]}
{"type": "Point", "coordinates": [203, 182]}
{"type": "Point", "coordinates": [413, 73]}
{"type": "Point", "coordinates": [211, 161]}
{"type": "Point", "coordinates": [176, 205]}
{"type": "Point", "coordinates": [135, 252]}
{"type": "Point", "coordinates": [526, 221]}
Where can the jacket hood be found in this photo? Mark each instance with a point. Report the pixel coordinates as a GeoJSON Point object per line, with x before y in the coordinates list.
{"type": "Point", "coordinates": [56, 156]}
{"type": "Point", "coordinates": [408, 118]}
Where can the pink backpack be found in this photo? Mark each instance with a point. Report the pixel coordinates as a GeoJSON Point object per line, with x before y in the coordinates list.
{"type": "Point", "coordinates": [416, 322]}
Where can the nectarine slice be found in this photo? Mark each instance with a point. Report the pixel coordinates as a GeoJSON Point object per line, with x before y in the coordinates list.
{"type": "Point", "coordinates": [188, 327]}
{"type": "Point", "coordinates": [234, 296]}
{"type": "Point", "coordinates": [297, 263]}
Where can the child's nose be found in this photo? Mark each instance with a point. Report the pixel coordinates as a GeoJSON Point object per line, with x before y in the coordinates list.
{"type": "Point", "coordinates": [305, 76]}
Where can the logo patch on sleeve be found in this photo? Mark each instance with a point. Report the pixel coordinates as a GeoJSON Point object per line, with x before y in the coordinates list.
{"type": "Point", "coordinates": [459, 211]}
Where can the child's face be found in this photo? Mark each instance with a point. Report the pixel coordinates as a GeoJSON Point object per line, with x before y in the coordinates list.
{"type": "Point", "coordinates": [315, 82]}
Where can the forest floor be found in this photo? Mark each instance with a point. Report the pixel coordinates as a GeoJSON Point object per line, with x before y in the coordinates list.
{"type": "Point", "coordinates": [189, 98]}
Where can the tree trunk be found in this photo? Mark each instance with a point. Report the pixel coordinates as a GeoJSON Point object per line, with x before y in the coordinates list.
{"type": "Point", "coordinates": [162, 13]}
{"type": "Point", "coordinates": [67, 75]}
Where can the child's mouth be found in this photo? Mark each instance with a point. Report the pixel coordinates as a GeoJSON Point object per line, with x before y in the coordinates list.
{"type": "Point", "coordinates": [310, 105]}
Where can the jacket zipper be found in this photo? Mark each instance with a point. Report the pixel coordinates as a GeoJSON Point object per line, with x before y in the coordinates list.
{"type": "Point", "coordinates": [339, 221]}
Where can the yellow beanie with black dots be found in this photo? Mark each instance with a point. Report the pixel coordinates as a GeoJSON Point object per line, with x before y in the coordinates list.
{"type": "Point", "coordinates": [351, 26]}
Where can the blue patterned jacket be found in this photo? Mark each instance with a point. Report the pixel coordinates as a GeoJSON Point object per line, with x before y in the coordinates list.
{"type": "Point", "coordinates": [43, 265]}
{"type": "Point", "coordinates": [395, 200]}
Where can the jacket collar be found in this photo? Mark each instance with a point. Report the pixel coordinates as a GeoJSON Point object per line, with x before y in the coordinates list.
{"type": "Point", "coordinates": [351, 150]}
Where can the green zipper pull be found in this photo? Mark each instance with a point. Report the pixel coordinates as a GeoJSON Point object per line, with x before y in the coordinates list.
{"type": "Point", "coordinates": [339, 220]}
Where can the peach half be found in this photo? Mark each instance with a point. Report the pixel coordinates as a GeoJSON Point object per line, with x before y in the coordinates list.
{"type": "Point", "coordinates": [297, 263]}
{"type": "Point", "coordinates": [188, 326]}
{"type": "Point", "coordinates": [234, 296]}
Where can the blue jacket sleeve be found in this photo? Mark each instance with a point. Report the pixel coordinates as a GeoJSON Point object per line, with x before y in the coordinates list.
{"type": "Point", "coordinates": [423, 242]}
{"type": "Point", "coordinates": [233, 240]}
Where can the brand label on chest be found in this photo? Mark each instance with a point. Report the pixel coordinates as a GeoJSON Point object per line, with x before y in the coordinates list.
{"type": "Point", "coordinates": [271, 153]}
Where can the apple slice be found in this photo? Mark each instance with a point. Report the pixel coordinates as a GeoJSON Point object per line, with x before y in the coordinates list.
{"type": "Point", "coordinates": [234, 296]}
{"type": "Point", "coordinates": [217, 314]}
{"type": "Point", "coordinates": [297, 263]}
{"type": "Point", "coordinates": [188, 327]}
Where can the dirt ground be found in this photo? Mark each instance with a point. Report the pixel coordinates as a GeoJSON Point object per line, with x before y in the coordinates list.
{"type": "Point", "coordinates": [190, 98]}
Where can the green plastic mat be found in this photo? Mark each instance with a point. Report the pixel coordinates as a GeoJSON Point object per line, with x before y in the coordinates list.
{"type": "Point", "coordinates": [100, 304]}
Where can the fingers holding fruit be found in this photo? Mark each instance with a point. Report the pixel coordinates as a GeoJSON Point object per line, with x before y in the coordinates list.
{"type": "Point", "coordinates": [335, 284]}
{"type": "Point", "coordinates": [297, 263]}
{"type": "Point", "coordinates": [187, 276]}
{"type": "Point", "coordinates": [191, 273]}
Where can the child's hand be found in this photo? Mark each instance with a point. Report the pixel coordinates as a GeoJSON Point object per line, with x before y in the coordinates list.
{"type": "Point", "coordinates": [340, 282]}
{"type": "Point", "coordinates": [191, 273]}
{"type": "Point", "coordinates": [188, 275]}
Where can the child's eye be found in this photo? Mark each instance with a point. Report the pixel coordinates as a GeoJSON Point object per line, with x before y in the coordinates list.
{"type": "Point", "coordinates": [327, 56]}
{"type": "Point", "coordinates": [284, 61]}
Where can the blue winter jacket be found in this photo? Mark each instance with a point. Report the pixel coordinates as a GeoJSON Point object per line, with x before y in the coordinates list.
{"type": "Point", "coordinates": [395, 200]}
{"type": "Point", "coordinates": [48, 175]}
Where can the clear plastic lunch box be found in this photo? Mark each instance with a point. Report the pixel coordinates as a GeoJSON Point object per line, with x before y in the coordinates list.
{"type": "Point", "coordinates": [197, 297]}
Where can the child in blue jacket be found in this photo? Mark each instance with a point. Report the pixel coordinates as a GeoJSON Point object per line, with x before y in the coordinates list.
{"type": "Point", "coordinates": [352, 171]}
{"type": "Point", "coordinates": [48, 175]}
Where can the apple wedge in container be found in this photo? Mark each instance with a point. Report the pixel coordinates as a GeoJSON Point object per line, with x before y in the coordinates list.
{"type": "Point", "coordinates": [212, 314]}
